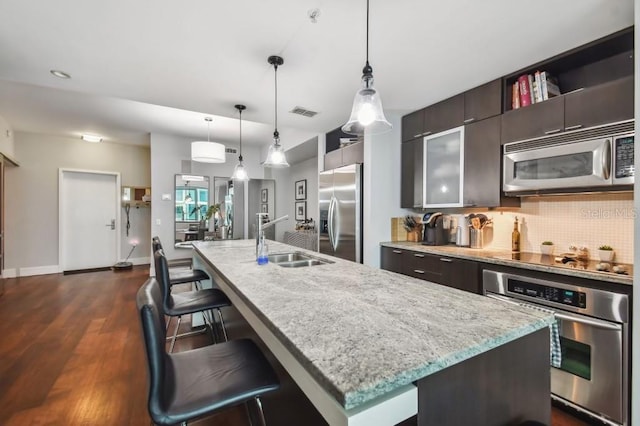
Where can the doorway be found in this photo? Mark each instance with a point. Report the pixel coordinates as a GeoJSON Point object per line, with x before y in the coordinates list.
{"type": "Point", "coordinates": [89, 224]}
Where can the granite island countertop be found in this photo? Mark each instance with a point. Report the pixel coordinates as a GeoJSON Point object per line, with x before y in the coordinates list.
{"type": "Point", "coordinates": [363, 332]}
{"type": "Point", "coordinates": [505, 258]}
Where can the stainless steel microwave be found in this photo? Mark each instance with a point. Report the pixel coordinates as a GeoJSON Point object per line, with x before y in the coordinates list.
{"type": "Point", "coordinates": [586, 160]}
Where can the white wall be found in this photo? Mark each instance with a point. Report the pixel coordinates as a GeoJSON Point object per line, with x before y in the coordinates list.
{"type": "Point", "coordinates": [169, 155]}
{"type": "Point", "coordinates": [31, 196]}
{"type": "Point", "coordinates": [6, 139]}
{"type": "Point", "coordinates": [381, 188]}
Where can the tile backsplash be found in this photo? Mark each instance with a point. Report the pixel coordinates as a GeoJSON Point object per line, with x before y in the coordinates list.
{"type": "Point", "coordinates": [589, 220]}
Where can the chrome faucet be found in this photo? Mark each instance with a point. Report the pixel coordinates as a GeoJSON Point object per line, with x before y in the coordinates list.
{"type": "Point", "coordinates": [262, 227]}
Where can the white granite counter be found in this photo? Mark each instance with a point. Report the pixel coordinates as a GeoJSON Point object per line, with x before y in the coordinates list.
{"type": "Point", "coordinates": [362, 332]}
{"type": "Point", "coordinates": [505, 258]}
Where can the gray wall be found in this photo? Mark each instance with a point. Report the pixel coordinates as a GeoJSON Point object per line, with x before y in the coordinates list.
{"type": "Point", "coordinates": [6, 139]}
{"type": "Point", "coordinates": [285, 193]}
{"type": "Point", "coordinates": [171, 155]}
{"type": "Point", "coordinates": [31, 197]}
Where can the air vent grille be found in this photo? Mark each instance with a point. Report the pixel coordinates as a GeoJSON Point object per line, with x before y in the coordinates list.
{"type": "Point", "coordinates": [303, 111]}
{"type": "Point", "coordinates": [231, 150]}
{"type": "Point", "coordinates": [572, 136]}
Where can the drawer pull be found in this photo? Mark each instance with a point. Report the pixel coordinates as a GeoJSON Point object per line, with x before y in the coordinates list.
{"type": "Point", "coordinates": [577, 126]}
{"type": "Point", "coordinates": [418, 255]}
{"type": "Point", "coordinates": [418, 271]}
{"type": "Point", "coordinates": [398, 251]}
{"type": "Point", "coordinates": [550, 132]}
{"type": "Point", "coordinates": [444, 259]}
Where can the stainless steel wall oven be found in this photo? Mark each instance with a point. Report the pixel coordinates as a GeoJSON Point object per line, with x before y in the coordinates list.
{"type": "Point", "coordinates": [593, 327]}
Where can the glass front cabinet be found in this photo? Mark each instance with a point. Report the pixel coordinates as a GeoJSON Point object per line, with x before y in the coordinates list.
{"type": "Point", "coordinates": [443, 160]}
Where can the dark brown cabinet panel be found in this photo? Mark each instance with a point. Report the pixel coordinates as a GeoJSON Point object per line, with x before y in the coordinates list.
{"type": "Point", "coordinates": [461, 274]}
{"type": "Point", "coordinates": [533, 121]}
{"type": "Point", "coordinates": [411, 179]}
{"type": "Point", "coordinates": [444, 115]}
{"type": "Point", "coordinates": [482, 165]}
{"type": "Point", "coordinates": [392, 259]}
{"type": "Point", "coordinates": [424, 266]}
{"type": "Point", "coordinates": [333, 159]}
{"type": "Point", "coordinates": [412, 125]}
{"type": "Point", "coordinates": [350, 154]}
{"type": "Point", "coordinates": [606, 103]}
{"type": "Point", "coordinates": [483, 102]}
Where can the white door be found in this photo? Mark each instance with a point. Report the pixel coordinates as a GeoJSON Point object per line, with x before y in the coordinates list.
{"type": "Point", "coordinates": [89, 222]}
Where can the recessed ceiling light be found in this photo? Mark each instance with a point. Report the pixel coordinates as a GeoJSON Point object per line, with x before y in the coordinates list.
{"type": "Point", "coordinates": [92, 138]}
{"type": "Point", "coordinates": [60, 74]}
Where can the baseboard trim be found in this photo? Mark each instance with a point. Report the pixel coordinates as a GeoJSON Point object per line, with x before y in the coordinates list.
{"type": "Point", "coordinates": [84, 271]}
{"type": "Point", "coordinates": [37, 270]}
{"type": "Point", "coordinates": [9, 273]}
{"type": "Point", "coordinates": [140, 260]}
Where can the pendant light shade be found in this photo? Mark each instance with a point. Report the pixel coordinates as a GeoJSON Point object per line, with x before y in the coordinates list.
{"type": "Point", "coordinates": [275, 156]}
{"type": "Point", "coordinates": [239, 173]}
{"type": "Point", "coordinates": [367, 110]}
{"type": "Point", "coordinates": [208, 152]}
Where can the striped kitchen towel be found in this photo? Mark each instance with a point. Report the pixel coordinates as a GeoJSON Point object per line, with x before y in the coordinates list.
{"type": "Point", "coordinates": [555, 354]}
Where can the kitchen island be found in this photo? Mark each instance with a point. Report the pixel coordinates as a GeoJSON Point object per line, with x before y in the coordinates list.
{"type": "Point", "coordinates": [371, 347]}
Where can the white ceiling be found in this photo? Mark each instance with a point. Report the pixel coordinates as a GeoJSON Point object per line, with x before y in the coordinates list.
{"type": "Point", "coordinates": [147, 66]}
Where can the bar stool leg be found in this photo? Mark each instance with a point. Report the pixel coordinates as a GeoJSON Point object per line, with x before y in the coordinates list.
{"type": "Point", "coordinates": [259, 404]}
{"type": "Point", "coordinates": [175, 335]}
{"type": "Point", "coordinates": [224, 329]}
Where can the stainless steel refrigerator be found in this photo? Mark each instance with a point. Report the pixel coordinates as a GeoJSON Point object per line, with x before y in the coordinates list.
{"type": "Point", "coordinates": [341, 212]}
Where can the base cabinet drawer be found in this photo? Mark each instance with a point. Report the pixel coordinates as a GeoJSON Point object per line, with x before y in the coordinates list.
{"type": "Point", "coordinates": [424, 266]}
{"type": "Point", "coordinates": [392, 259]}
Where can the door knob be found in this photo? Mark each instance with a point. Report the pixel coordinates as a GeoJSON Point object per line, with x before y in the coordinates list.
{"type": "Point", "coordinates": [112, 224]}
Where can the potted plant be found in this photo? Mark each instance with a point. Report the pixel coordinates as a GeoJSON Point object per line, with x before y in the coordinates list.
{"type": "Point", "coordinates": [212, 211]}
{"type": "Point", "coordinates": [605, 253]}
{"type": "Point", "coordinates": [546, 247]}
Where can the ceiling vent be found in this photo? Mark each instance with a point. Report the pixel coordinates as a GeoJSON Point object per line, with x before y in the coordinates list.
{"type": "Point", "coordinates": [303, 111]}
{"type": "Point", "coordinates": [231, 150]}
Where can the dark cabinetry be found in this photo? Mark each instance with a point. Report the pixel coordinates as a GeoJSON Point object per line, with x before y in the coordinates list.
{"type": "Point", "coordinates": [596, 82]}
{"type": "Point", "coordinates": [350, 154]}
{"type": "Point", "coordinates": [452, 272]}
{"type": "Point", "coordinates": [482, 165]}
{"type": "Point", "coordinates": [483, 102]}
{"type": "Point", "coordinates": [411, 195]}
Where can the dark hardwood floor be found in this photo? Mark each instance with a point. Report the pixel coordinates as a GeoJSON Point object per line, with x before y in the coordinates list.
{"type": "Point", "coordinates": [72, 354]}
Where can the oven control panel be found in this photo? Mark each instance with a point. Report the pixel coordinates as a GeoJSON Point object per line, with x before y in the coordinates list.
{"type": "Point", "coordinates": [577, 299]}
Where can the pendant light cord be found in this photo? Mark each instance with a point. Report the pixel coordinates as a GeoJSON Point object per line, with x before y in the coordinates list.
{"type": "Point", "coordinates": [240, 156]}
{"type": "Point", "coordinates": [367, 32]}
{"type": "Point", "coordinates": [367, 71]}
{"type": "Point", "coordinates": [276, 135]}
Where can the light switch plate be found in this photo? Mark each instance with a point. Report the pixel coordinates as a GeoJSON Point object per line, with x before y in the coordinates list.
{"type": "Point", "coordinates": [166, 197]}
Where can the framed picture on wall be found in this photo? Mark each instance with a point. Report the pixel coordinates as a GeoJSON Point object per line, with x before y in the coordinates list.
{"type": "Point", "coordinates": [264, 208]}
{"type": "Point", "coordinates": [301, 189]}
{"type": "Point", "coordinates": [264, 195]}
{"type": "Point", "coordinates": [301, 210]}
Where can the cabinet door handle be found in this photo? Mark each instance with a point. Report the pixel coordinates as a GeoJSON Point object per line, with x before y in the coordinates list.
{"type": "Point", "coordinates": [418, 271]}
{"type": "Point", "coordinates": [444, 259]}
{"type": "Point", "coordinates": [418, 255]}
{"type": "Point", "coordinates": [426, 133]}
{"type": "Point", "coordinates": [418, 135]}
{"type": "Point", "coordinates": [577, 126]}
{"type": "Point", "coordinates": [469, 120]}
{"type": "Point", "coordinates": [551, 132]}
{"type": "Point", "coordinates": [398, 251]}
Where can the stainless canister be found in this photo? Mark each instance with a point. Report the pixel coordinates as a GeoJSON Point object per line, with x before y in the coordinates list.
{"type": "Point", "coordinates": [476, 238]}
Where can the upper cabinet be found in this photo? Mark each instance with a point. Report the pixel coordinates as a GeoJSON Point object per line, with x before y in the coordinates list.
{"type": "Point", "coordinates": [596, 87]}
{"type": "Point", "coordinates": [342, 149]}
{"type": "Point", "coordinates": [483, 102]}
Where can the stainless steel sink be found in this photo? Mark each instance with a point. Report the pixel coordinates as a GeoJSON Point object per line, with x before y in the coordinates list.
{"type": "Point", "coordinates": [296, 260]}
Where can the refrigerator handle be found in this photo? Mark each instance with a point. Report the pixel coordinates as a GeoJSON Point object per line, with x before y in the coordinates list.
{"type": "Point", "coordinates": [336, 223]}
{"type": "Point", "coordinates": [330, 221]}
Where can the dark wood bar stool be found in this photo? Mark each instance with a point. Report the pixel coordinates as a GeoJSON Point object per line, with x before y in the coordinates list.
{"type": "Point", "coordinates": [196, 383]}
{"type": "Point", "coordinates": [190, 302]}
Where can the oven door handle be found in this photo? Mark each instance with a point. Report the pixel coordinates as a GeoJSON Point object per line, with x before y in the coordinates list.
{"type": "Point", "coordinates": [588, 321]}
{"type": "Point", "coordinates": [581, 319]}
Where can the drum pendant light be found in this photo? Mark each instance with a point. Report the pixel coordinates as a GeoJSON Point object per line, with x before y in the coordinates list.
{"type": "Point", "coordinates": [367, 110]}
{"type": "Point", "coordinates": [239, 173]}
{"type": "Point", "coordinates": [276, 157]}
{"type": "Point", "coordinates": [208, 152]}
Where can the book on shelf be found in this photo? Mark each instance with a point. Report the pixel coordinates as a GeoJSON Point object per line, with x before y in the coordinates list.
{"type": "Point", "coordinates": [531, 89]}
{"type": "Point", "coordinates": [525, 90]}
{"type": "Point", "coordinates": [538, 87]}
{"type": "Point", "coordinates": [515, 96]}
{"type": "Point", "coordinates": [549, 85]}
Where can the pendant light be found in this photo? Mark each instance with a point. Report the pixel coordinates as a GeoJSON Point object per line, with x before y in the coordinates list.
{"type": "Point", "coordinates": [367, 110]}
{"type": "Point", "coordinates": [208, 152]}
{"type": "Point", "coordinates": [276, 157]}
{"type": "Point", "coordinates": [239, 173]}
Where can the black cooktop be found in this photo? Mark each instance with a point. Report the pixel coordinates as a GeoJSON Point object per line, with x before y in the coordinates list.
{"type": "Point", "coordinates": [567, 262]}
